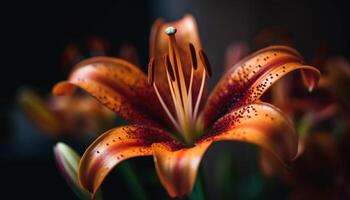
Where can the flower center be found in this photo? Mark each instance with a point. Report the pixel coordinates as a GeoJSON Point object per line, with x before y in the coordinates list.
{"type": "Point", "coordinates": [185, 117]}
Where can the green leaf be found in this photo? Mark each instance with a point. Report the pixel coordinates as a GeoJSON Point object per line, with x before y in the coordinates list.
{"type": "Point", "coordinates": [132, 181]}
{"type": "Point", "coordinates": [197, 192]}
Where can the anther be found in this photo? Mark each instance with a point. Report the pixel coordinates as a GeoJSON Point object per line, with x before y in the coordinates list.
{"type": "Point", "coordinates": [170, 30]}
{"type": "Point", "coordinates": [193, 56]}
{"type": "Point", "coordinates": [151, 71]}
{"type": "Point", "coordinates": [169, 67]}
{"type": "Point", "coordinates": [205, 62]}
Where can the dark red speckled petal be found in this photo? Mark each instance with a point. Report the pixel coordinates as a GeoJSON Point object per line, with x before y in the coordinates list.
{"type": "Point", "coordinates": [261, 124]}
{"type": "Point", "coordinates": [252, 76]}
{"type": "Point", "coordinates": [120, 86]}
{"type": "Point", "coordinates": [113, 147]}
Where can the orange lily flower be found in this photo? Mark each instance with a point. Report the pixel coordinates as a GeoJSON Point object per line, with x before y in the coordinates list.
{"type": "Point", "coordinates": [171, 120]}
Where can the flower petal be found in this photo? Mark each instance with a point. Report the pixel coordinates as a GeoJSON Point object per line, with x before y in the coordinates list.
{"type": "Point", "coordinates": [119, 85]}
{"type": "Point", "coordinates": [187, 32]}
{"type": "Point", "coordinates": [273, 36]}
{"type": "Point", "coordinates": [39, 112]}
{"type": "Point", "coordinates": [259, 123]}
{"type": "Point", "coordinates": [269, 165]}
{"type": "Point", "coordinates": [336, 79]}
{"type": "Point", "coordinates": [114, 146]}
{"type": "Point", "coordinates": [177, 168]}
{"type": "Point", "coordinates": [253, 75]}
{"type": "Point", "coordinates": [235, 52]}
{"type": "Point", "coordinates": [80, 115]}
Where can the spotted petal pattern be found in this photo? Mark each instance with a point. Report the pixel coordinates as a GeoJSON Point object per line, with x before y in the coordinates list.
{"type": "Point", "coordinates": [246, 82]}
{"type": "Point", "coordinates": [120, 86]}
{"type": "Point", "coordinates": [113, 147]}
{"type": "Point", "coordinates": [261, 124]}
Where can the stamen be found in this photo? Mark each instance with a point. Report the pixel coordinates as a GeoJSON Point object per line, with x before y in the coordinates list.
{"type": "Point", "coordinates": [151, 71]}
{"type": "Point", "coordinates": [169, 67]}
{"type": "Point", "coordinates": [166, 108]}
{"type": "Point", "coordinates": [193, 56]}
{"type": "Point", "coordinates": [173, 87]}
{"type": "Point", "coordinates": [176, 100]}
{"type": "Point", "coordinates": [184, 113]}
{"type": "Point", "coordinates": [189, 100]}
{"type": "Point", "coordinates": [199, 96]}
{"type": "Point", "coordinates": [205, 62]}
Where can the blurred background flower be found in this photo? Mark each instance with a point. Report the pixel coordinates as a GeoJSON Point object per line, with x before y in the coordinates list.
{"type": "Point", "coordinates": [65, 116]}
{"type": "Point", "coordinates": [79, 114]}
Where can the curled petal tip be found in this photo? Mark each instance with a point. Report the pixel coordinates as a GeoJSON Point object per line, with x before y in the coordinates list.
{"type": "Point", "coordinates": [63, 88]}
{"type": "Point", "coordinates": [311, 78]}
{"type": "Point", "coordinates": [312, 85]}
{"type": "Point", "coordinates": [257, 72]}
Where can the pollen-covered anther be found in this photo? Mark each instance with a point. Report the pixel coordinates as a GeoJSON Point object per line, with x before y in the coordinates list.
{"type": "Point", "coordinates": [205, 62]}
{"type": "Point", "coordinates": [193, 56]}
{"type": "Point", "coordinates": [151, 66]}
{"type": "Point", "coordinates": [168, 67]}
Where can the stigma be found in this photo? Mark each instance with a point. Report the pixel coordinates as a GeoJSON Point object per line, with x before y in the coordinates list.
{"type": "Point", "coordinates": [183, 110]}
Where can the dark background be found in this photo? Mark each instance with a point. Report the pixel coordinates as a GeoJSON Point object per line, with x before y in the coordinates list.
{"type": "Point", "coordinates": [39, 33]}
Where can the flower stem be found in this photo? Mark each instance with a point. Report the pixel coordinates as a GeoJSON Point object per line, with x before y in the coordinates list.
{"type": "Point", "coordinates": [132, 181]}
{"type": "Point", "coordinates": [198, 192]}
